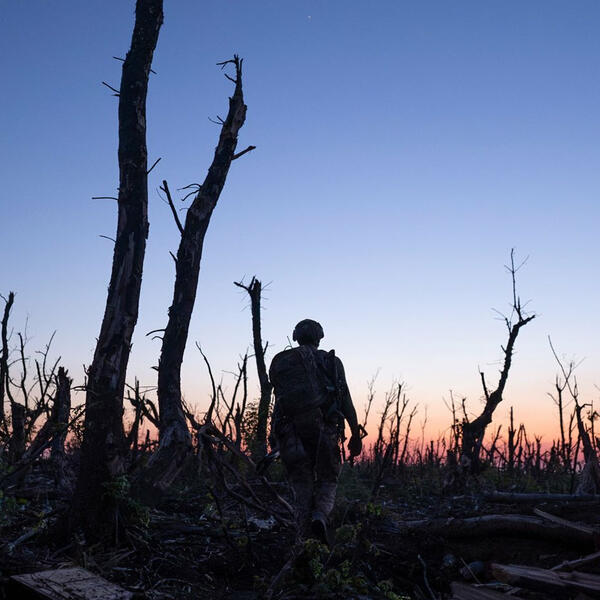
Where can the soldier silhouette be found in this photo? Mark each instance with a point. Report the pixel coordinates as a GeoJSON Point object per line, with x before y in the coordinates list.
{"type": "Point", "coordinates": [312, 403]}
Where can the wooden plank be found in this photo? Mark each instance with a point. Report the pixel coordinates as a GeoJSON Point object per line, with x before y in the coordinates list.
{"type": "Point", "coordinates": [544, 579]}
{"type": "Point", "coordinates": [67, 584]}
{"type": "Point", "coordinates": [464, 591]}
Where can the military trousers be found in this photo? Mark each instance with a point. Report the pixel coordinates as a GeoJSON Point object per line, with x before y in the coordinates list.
{"type": "Point", "coordinates": [309, 449]}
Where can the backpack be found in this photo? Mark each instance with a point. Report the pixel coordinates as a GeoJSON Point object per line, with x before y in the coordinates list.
{"type": "Point", "coordinates": [299, 380]}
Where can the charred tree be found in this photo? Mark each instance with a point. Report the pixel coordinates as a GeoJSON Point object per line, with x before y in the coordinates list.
{"type": "Point", "coordinates": [138, 404]}
{"type": "Point", "coordinates": [103, 441]}
{"type": "Point", "coordinates": [175, 439]}
{"type": "Point", "coordinates": [589, 480]}
{"type": "Point", "coordinates": [60, 417]}
{"type": "Point", "coordinates": [473, 431]}
{"type": "Point", "coordinates": [16, 447]}
{"type": "Point", "coordinates": [18, 413]}
{"type": "Point", "coordinates": [25, 413]}
{"type": "Point", "coordinates": [4, 357]}
{"type": "Point", "coordinates": [54, 431]}
{"type": "Point", "coordinates": [254, 290]}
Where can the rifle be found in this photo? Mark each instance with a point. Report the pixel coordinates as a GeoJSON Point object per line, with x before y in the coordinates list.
{"type": "Point", "coordinates": [334, 390]}
{"type": "Point", "coordinates": [337, 408]}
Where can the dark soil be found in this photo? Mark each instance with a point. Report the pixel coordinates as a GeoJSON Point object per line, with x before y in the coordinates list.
{"type": "Point", "coordinates": [190, 546]}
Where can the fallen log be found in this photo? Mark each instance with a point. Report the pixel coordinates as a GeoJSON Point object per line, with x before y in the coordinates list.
{"type": "Point", "coordinates": [511, 525]}
{"type": "Point", "coordinates": [568, 565]}
{"type": "Point", "coordinates": [464, 591]}
{"type": "Point", "coordinates": [556, 582]}
{"type": "Point", "coordinates": [593, 532]}
{"type": "Point", "coordinates": [511, 498]}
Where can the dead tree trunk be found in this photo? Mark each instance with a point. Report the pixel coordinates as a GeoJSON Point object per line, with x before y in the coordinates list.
{"type": "Point", "coordinates": [564, 449]}
{"type": "Point", "coordinates": [138, 404]}
{"type": "Point", "coordinates": [510, 465]}
{"type": "Point", "coordinates": [103, 441]}
{"type": "Point", "coordinates": [54, 430]}
{"type": "Point", "coordinates": [16, 447]}
{"type": "Point", "coordinates": [254, 290]}
{"type": "Point", "coordinates": [4, 357]}
{"type": "Point", "coordinates": [589, 481]}
{"type": "Point", "coordinates": [60, 418]}
{"type": "Point", "coordinates": [474, 431]}
{"type": "Point", "coordinates": [175, 439]}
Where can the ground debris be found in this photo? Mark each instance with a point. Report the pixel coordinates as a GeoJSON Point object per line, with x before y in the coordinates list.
{"type": "Point", "coordinates": [464, 591]}
{"type": "Point", "coordinates": [559, 583]}
{"type": "Point", "coordinates": [66, 584]}
{"type": "Point", "coordinates": [201, 542]}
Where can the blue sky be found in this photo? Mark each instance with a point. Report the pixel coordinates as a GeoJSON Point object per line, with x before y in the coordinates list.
{"type": "Point", "coordinates": [402, 149]}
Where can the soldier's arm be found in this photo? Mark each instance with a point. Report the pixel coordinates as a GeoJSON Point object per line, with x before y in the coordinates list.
{"type": "Point", "coordinates": [347, 407]}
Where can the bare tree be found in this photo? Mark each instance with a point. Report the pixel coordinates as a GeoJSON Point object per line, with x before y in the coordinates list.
{"type": "Point", "coordinates": [8, 302]}
{"type": "Point", "coordinates": [54, 429]}
{"type": "Point", "coordinates": [370, 398]}
{"type": "Point", "coordinates": [473, 431]}
{"type": "Point", "coordinates": [31, 396]}
{"type": "Point", "coordinates": [254, 289]}
{"type": "Point", "coordinates": [103, 441]}
{"type": "Point", "coordinates": [565, 445]}
{"type": "Point", "coordinates": [589, 481]}
{"type": "Point", "coordinates": [380, 446]}
{"type": "Point", "coordinates": [175, 439]}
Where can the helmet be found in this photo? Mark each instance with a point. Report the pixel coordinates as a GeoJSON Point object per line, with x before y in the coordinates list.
{"type": "Point", "coordinates": [308, 331]}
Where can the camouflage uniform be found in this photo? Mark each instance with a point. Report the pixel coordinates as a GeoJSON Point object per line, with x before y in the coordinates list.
{"type": "Point", "coordinates": [309, 445]}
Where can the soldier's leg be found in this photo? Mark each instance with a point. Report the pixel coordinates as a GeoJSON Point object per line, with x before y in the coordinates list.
{"type": "Point", "coordinates": [301, 480]}
{"type": "Point", "coordinates": [327, 471]}
{"type": "Point", "coordinates": [300, 473]}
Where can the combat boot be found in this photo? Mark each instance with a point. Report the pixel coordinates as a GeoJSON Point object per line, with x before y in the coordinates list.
{"type": "Point", "coordinates": [318, 528]}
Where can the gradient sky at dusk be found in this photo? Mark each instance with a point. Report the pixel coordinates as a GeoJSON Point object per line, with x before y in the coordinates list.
{"type": "Point", "coordinates": [403, 148]}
